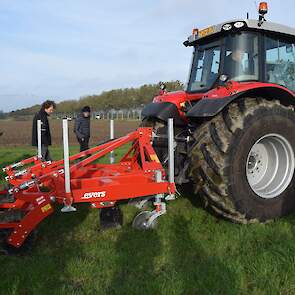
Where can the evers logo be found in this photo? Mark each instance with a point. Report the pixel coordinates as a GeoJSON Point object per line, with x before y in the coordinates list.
{"type": "Point", "coordinates": [94, 195]}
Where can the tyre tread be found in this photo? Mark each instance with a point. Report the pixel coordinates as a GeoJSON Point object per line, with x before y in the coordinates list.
{"type": "Point", "coordinates": [210, 154]}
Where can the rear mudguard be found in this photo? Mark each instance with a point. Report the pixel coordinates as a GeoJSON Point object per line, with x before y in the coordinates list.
{"type": "Point", "coordinates": [209, 107]}
{"type": "Point", "coordinates": [163, 111]}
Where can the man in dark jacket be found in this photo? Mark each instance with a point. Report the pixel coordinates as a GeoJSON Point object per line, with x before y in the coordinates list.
{"type": "Point", "coordinates": [47, 108]}
{"type": "Point", "coordinates": [82, 128]}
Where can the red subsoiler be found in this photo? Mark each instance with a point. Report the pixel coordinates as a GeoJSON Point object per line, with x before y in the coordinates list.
{"type": "Point", "coordinates": [36, 186]}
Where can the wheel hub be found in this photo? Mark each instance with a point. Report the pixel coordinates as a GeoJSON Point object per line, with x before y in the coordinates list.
{"type": "Point", "coordinates": [270, 166]}
{"type": "Point", "coordinates": [252, 162]}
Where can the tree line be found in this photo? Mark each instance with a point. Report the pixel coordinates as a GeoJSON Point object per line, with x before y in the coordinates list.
{"type": "Point", "coordinates": [107, 100]}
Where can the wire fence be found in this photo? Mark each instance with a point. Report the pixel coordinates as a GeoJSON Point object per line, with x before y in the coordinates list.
{"type": "Point", "coordinates": [122, 114]}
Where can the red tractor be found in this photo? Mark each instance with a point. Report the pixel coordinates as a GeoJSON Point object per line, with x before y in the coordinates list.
{"type": "Point", "coordinates": [234, 142]}
{"type": "Point", "coordinates": [235, 121]}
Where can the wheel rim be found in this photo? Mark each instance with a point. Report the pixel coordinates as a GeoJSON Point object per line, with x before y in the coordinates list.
{"type": "Point", "coordinates": [141, 221]}
{"type": "Point", "coordinates": [270, 166]}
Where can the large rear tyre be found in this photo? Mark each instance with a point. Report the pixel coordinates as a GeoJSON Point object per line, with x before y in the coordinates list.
{"type": "Point", "coordinates": [243, 161]}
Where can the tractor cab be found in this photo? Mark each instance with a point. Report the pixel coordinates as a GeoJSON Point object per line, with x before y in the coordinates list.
{"type": "Point", "coordinates": [242, 51]}
{"type": "Point", "coordinates": [230, 60]}
{"type": "Point", "coordinates": [230, 57]}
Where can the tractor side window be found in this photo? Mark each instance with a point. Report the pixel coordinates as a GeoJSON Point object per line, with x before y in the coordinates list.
{"type": "Point", "coordinates": [205, 68]}
{"type": "Point", "coordinates": [280, 62]}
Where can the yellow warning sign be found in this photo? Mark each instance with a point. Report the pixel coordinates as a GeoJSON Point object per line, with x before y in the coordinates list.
{"type": "Point", "coordinates": [155, 158]}
{"type": "Point", "coordinates": [46, 208]}
{"type": "Point", "coordinates": [206, 32]}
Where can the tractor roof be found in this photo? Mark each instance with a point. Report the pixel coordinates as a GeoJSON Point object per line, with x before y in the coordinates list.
{"type": "Point", "coordinates": [251, 24]}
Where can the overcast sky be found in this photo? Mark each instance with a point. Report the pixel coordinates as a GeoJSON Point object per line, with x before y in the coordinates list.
{"type": "Point", "coordinates": [65, 49]}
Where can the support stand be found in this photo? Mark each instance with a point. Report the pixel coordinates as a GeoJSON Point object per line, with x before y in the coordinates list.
{"type": "Point", "coordinates": [68, 202]}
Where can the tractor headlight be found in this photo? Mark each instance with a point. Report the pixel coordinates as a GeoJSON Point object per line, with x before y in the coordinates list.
{"type": "Point", "coordinates": [227, 27]}
{"type": "Point", "coordinates": [239, 25]}
{"type": "Point", "coordinates": [223, 78]}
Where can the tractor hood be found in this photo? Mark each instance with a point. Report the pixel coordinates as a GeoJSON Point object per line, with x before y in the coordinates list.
{"type": "Point", "coordinates": [170, 105]}
{"type": "Point", "coordinates": [167, 105]}
{"type": "Point", "coordinates": [176, 97]}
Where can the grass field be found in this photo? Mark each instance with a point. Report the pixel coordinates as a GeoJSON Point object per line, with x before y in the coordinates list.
{"type": "Point", "coordinates": [191, 252]}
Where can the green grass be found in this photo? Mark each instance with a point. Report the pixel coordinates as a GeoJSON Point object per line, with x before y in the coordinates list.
{"type": "Point", "coordinates": [191, 252]}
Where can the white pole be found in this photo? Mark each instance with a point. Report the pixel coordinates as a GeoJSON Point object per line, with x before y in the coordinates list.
{"type": "Point", "coordinates": [112, 136]}
{"type": "Point", "coordinates": [39, 135]}
{"type": "Point", "coordinates": [66, 156]}
{"type": "Point", "coordinates": [171, 150]}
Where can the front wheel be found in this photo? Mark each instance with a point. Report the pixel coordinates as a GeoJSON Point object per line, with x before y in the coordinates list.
{"type": "Point", "coordinates": [243, 162]}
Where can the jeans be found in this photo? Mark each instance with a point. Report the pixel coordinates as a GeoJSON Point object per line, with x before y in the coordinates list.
{"type": "Point", "coordinates": [84, 144]}
{"type": "Point", "coordinates": [45, 153]}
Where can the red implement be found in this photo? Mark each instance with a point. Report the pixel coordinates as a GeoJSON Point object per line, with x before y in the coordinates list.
{"type": "Point", "coordinates": [38, 187]}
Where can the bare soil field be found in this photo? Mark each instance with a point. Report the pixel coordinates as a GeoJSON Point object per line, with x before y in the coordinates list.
{"type": "Point", "coordinates": [17, 133]}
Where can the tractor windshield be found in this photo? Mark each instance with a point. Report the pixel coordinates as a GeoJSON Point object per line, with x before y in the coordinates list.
{"type": "Point", "coordinates": [241, 57]}
{"type": "Point", "coordinates": [235, 55]}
